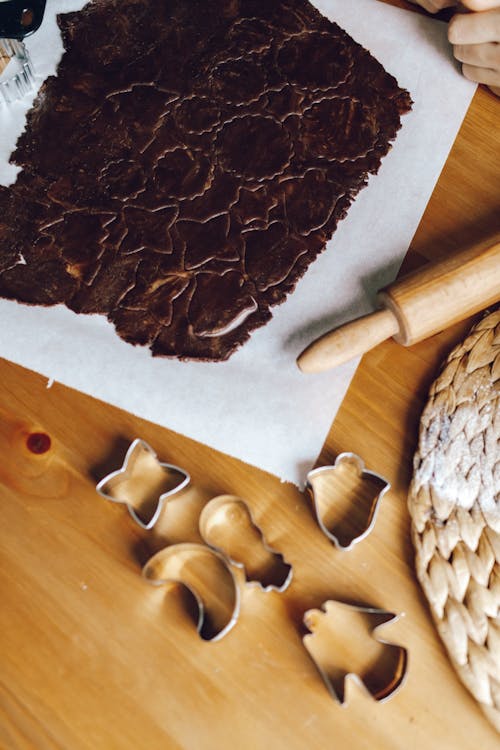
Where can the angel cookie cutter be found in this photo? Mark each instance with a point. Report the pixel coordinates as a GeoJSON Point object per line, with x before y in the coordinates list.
{"type": "Point", "coordinates": [379, 668]}
{"type": "Point", "coordinates": [143, 484]}
{"type": "Point", "coordinates": [346, 499]}
{"type": "Point", "coordinates": [227, 525]}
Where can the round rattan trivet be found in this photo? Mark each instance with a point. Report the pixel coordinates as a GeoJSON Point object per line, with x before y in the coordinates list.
{"type": "Point", "coordinates": [454, 502]}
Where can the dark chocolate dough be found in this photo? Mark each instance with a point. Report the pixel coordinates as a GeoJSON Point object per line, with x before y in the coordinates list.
{"type": "Point", "coordinates": [188, 163]}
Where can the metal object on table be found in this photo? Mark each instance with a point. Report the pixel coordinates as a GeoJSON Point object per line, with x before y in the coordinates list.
{"type": "Point", "coordinates": [227, 525]}
{"type": "Point", "coordinates": [206, 574]}
{"type": "Point", "coordinates": [345, 487]}
{"type": "Point", "coordinates": [143, 484]}
{"type": "Point", "coordinates": [378, 677]}
{"type": "Point", "coordinates": [17, 75]}
{"type": "Point", "coordinates": [18, 19]}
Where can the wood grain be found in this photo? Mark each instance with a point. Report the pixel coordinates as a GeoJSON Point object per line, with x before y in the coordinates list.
{"type": "Point", "coordinates": [92, 657]}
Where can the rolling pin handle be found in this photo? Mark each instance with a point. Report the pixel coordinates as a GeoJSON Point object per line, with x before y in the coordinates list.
{"type": "Point", "coordinates": [348, 341]}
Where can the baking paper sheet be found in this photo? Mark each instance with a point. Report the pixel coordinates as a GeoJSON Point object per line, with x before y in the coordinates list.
{"type": "Point", "coordinates": [258, 406]}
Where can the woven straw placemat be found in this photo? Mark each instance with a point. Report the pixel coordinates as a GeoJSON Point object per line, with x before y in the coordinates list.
{"type": "Point", "coordinates": [454, 502]}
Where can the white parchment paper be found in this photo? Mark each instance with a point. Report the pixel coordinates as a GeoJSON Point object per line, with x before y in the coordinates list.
{"type": "Point", "coordinates": [258, 406]}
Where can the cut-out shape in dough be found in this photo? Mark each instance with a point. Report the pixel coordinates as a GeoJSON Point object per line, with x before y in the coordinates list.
{"type": "Point", "coordinates": [205, 573]}
{"type": "Point", "coordinates": [227, 525]}
{"type": "Point", "coordinates": [181, 173]}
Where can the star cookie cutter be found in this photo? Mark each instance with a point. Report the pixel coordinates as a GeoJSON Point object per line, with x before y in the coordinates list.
{"type": "Point", "coordinates": [380, 670]}
{"type": "Point", "coordinates": [143, 484]}
{"type": "Point", "coordinates": [346, 499]}
{"type": "Point", "coordinates": [227, 525]}
{"type": "Point", "coordinates": [206, 574]}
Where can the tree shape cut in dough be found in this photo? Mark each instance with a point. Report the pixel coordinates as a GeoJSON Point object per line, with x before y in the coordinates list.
{"type": "Point", "coordinates": [217, 144]}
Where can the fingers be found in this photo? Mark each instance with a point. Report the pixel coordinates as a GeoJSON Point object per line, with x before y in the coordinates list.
{"type": "Point", "coordinates": [481, 75]}
{"type": "Point", "coordinates": [475, 28]}
{"type": "Point", "coordinates": [476, 43]}
{"type": "Point", "coordinates": [481, 55]}
{"type": "Point", "coordinates": [480, 4]}
{"type": "Point", "coordinates": [475, 38]}
{"type": "Point", "coordinates": [434, 6]}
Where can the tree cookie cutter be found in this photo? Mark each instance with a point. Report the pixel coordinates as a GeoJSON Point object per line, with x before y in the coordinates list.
{"type": "Point", "coordinates": [346, 499]}
{"type": "Point", "coordinates": [17, 76]}
{"type": "Point", "coordinates": [143, 484]}
{"type": "Point", "coordinates": [379, 668]}
{"type": "Point", "coordinates": [227, 525]}
{"type": "Point", "coordinates": [206, 574]}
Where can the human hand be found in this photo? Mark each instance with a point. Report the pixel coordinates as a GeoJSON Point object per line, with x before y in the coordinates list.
{"type": "Point", "coordinates": [476, 42]}
{"type": "Point", "coordinates": [434, 6]}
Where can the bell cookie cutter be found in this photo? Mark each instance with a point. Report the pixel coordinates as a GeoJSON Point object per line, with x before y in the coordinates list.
{"type": "Point", "coordinates": [227, 525]}
{"type": "Point", "coordinates": [379, 673]}
{"type": "Point", "coordinates": [13, 53]}
{"type": "Point", "coordinates": [346, 499]}
{"type": "Point", "coordinates": [206, 574]}
{"type": "Point", "coordinates": [143, 484]}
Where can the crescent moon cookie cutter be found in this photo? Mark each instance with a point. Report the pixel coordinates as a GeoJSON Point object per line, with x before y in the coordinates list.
{"type": "Point", "coordinates": [346, 499]}
{"type": "Point", "coordinates": [206, 574]}
{"type": "Point", "coordinates": [379, 670]}
{"type": "Point", "coordinates": [143, 483]}
{"type": "Point", "coordinates": [227, 525]}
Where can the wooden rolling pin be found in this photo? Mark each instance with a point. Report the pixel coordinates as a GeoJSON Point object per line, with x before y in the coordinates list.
{"type": "Point", "coordinates": [414, 307]}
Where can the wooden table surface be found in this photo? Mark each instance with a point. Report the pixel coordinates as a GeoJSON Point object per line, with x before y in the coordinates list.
{"type": "Point", "coordinates": [92, 656]}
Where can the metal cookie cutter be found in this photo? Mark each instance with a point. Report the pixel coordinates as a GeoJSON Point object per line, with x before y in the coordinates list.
{"type": "Point", "coordinates": [17, 75]}
{"type": "Point", "coordinates": [206, 574]}
{"type": "Point", "coordinates": [378, 666]}
{"type": "Point", "coordinates": [346, 499]}
{"type": "Point", "coordinates": [227, 525]}
{"type": "Point", "coordinates": [143, 484]}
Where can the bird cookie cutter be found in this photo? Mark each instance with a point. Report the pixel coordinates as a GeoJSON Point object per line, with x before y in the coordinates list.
{"type": "Point", "coordinates": [346, 499]}
{"type": "Point", "coordinates": [227, 525]}
{"type": "Point", "coordinates": [143, 483]}
{"type": "Point", "coordinates": [380, 673]}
